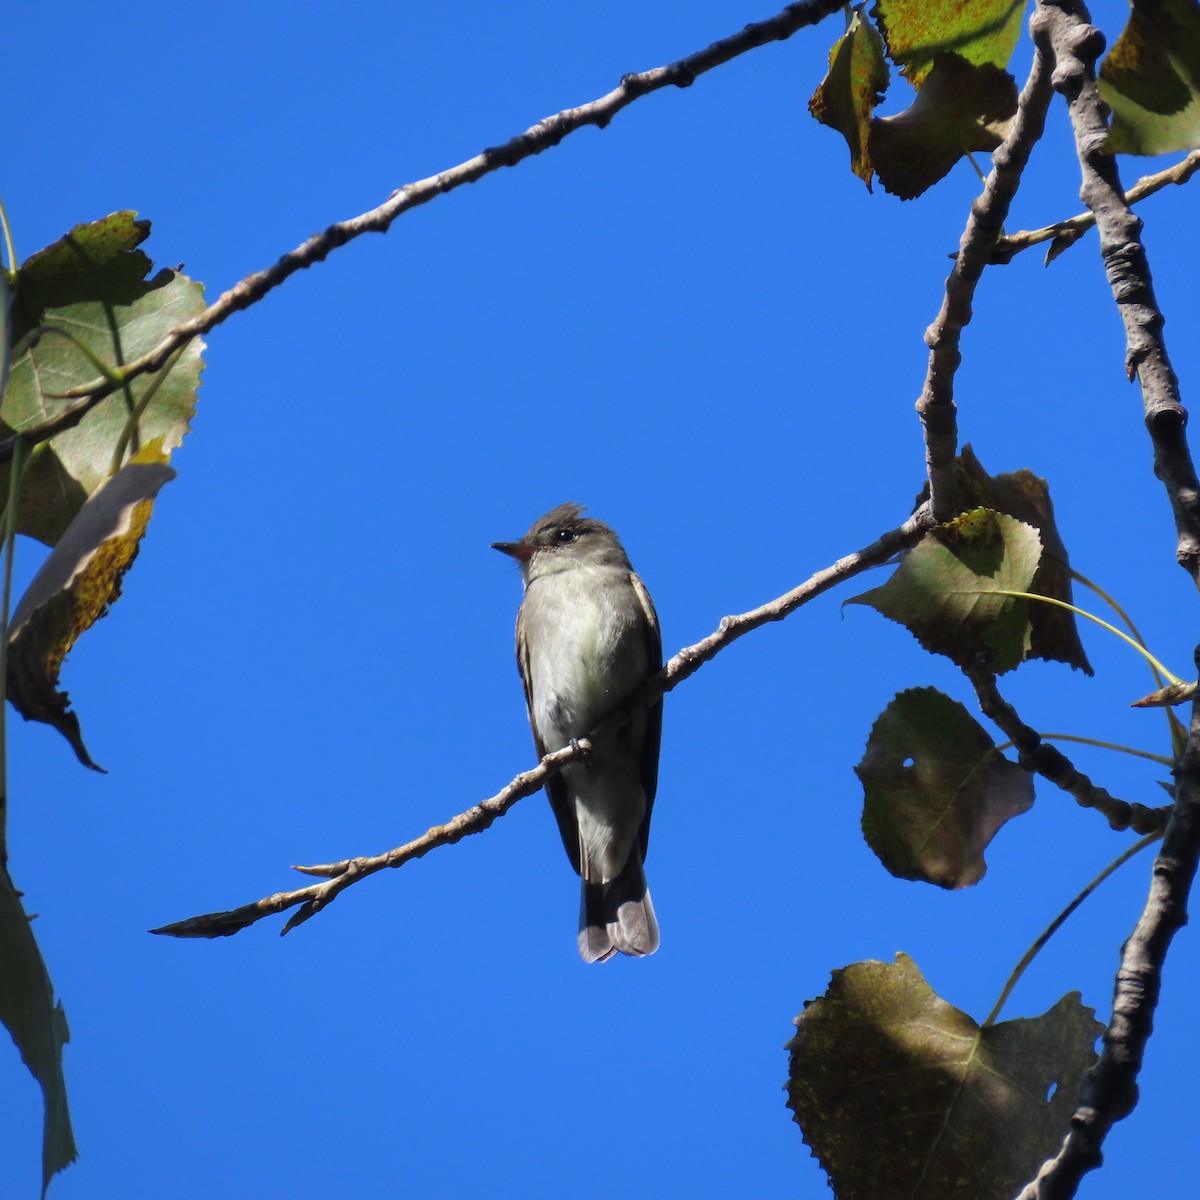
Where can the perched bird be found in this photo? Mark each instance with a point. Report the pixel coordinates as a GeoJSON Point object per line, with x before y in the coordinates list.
{"type": "Point", "coordinates": [587, 638]}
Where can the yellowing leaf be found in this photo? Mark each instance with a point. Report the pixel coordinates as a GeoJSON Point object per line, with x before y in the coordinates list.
{"type": "Point", "coordinates": [1151, 80]}
{"type": "Point", "coordinates": [75, 587]}
{"type": "Point", "coordinates": [947, 590]}
{"type": "Point", "coordinates": [900, 1094]}
{"type": "Point", "coordinates": [858, 75]}
{"type": "Point", "coordinates": [94, 284]}
{"type": "Point", "coordinates": [917, 31]}
{"type": "Point", "coordinates": [1054, 633]}
{"type": "Point", "coordinates": [936, 790]}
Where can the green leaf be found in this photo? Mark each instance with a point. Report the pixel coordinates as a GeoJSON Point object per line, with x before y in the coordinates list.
{"type": "Point", "coordinates": [936, 790]}
{"type": "Point", "coordinates": [75, 587]}
{"type": "Point", "coordinates": [946, 590]}
{"type": "Point", "coordinates": [900, 1094]}
{"type": "Point", "coordinates": [1151, 80]}
{"type": "Point", "coordinates": [917, 31]}
{"type": "Point", "coordinates": [93, 285]}
{"type": "Point", "coordinates": [960, 107]}
{"type": "Point", "coordinates": [38, 1025]}
{"type": "Point", "coordinates": [1054, 634]}
{"type": "Point", "coordinates": [857, 79]}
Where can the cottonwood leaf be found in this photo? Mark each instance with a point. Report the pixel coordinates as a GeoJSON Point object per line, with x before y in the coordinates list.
{"type": "Point", "coordinates": [917, 31]}
{"type": "Point", "coordinates": [1151, 80]}
{"type": "Point", "coordinates": [936, 790]}
{"type": "Point", "coordinates": [961, 106]}
{"type": "Point", "coordinates": [946, 590]}
{"type": "Point", "coordinates": [37, 1024]}
{"type": "Point", "coordinates": [857, 79]}
{"type": "Point", "coordinates": [899, 1094]}
{"type": "Point", "coordinates": [1054, 632]}
{"type": "Point", "coordinates": [93, 284]}
{"type": "Point", "coordinates": [75, 587]}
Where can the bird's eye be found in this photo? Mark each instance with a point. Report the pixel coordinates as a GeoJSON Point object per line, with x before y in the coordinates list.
{"type": "Point", "coordinates": [565, 536]}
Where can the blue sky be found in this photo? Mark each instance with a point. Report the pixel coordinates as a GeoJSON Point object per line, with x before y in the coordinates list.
{"type": "Point", "coordinates": [701, 325]}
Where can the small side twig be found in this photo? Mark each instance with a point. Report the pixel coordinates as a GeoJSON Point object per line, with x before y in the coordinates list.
{"type": "Point", "coordinates": [988, 212]}
{"type": "Point", "coordinates": [340, 875]}
{"type": "Point", "coordinates": [546, 133]}
{"type": "Point", "coordinates": [1066, 233]}
{"type": "Point", "coordinates": [1053, 765]}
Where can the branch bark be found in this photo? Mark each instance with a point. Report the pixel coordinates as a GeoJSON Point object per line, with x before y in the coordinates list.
{"type": "Point", "coordinates": [340, 875]}
{"type": "Point", "coordinates": [1064, 234]}
{"type": "Point", "coordinates": [988, 212]}
{"type": "Point", "coordinates": [546, 133]}
{"type": "Point", "coordinates": [1108, 1092]}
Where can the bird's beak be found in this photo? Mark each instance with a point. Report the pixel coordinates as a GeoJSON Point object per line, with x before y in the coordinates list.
{"type": "Point", "coordinates": [521, 551]}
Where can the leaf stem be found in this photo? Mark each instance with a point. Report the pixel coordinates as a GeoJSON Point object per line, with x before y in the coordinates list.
{"type": "Point", "coordinates": [10, 531]}
{"type": "Point", "coordinates": [1170, 676]}
{"type": "Point", "coordinates": [1058, 922]}
{"type": "Point", "coordinates": [1174, 724]}
{"type": "Point", "coordinates": [1161, 759]}
{"type": "Point", "coordinates": [140, 407]}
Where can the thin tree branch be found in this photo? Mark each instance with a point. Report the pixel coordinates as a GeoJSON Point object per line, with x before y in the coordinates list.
{"type": "Point", "coordinates": [988, 212]}
{"type": "Point", "coordinates": [1051, 764]}
{"type": "Point", "coordinates": [1108, 1092]}
{"type": "Point", "coordinates": [546, 133]}
{"type": "Point", "coordinates": [1066, 233]}
{"type": "Point", "coordinates": [340, 875]}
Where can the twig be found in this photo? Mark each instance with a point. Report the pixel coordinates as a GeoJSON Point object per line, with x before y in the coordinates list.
{"type": "Point", "coordinates": [1108, 1092]}
{"type": "Point", "coordinates": [1066, 233]}
{"type": "Point", "coordinates": [1051, 764]}
{"type": "Point", "coordinates": [340, 875]}
{"type": "Point", "coordinates": [988, 212]}
{"type": "Point", "coordinates": [546, 133]}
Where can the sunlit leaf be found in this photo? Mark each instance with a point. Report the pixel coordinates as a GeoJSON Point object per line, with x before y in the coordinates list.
{"type": "Point", "coordinates": [857, 78]}
{"type": "Point", "coordinates": [960, 107]}
{"type": "Point", "coordinates": [75, 587]}
{"type": "Point", "coordinates": [947, 590]}
{"type": "Point", "coordinates": [1054, 635]}
{"type": "Point", "coordinates": [917, 31]}
{"type": "Point", "coordinates": [93, 285]}
{"type": "Point", "coordinates": [900, 1094]}
{"type": "Point", "coordinates": [936, 790]}
{"type": "Point", "coordinates": [1151, 80]}
{"type": "Point", "coordinates": [37, 1024]}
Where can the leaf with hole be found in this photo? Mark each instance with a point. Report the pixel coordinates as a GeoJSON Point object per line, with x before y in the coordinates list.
{"type": "Point", "coordinates": [936, 790]}
{"type": "Point", "coordinates": [900, 1094]}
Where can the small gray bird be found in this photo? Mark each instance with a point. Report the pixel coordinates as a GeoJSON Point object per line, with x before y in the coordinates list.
{"type": "Point", "coordinates": [587, 638]}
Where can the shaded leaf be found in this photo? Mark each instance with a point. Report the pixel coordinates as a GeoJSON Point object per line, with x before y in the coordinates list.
{"type": "Point", "coordinates": [1151, 80]}
{"type": "Point", "coordinates": [917, 31]}
{"type": "Point", "coordinates": [857, 79]}
{"type": "Point", "coordinates": [900, 1094]}
{"type": "Point", "coordinates": [74, 589]}
{"type": "Point", "coordinates": [38, 1025]}
{"type": "Point", "coordinates": [960, 107]}
{"type": "Point", "coordinates": [936, 790]}
{"type": "Point", "coordinates": [945, 590]}
{"type": "Point", "coordinates": [1054, 635]}
{"type": "Point", "coordinates": [93, 284]}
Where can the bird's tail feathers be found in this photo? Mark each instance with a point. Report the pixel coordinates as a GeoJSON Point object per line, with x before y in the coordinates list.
{"type": "Point", "coordinates": [618, 916]}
